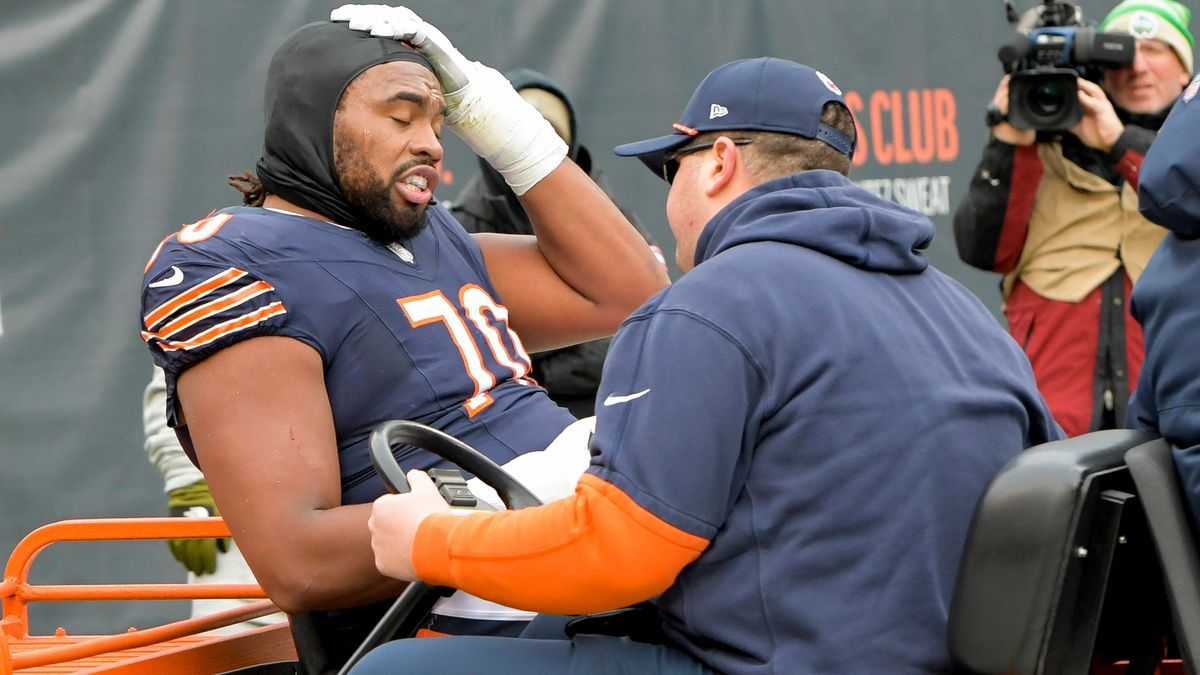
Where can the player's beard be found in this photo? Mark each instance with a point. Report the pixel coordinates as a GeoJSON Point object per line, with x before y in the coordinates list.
{"type": "Point", "coordinates": [381, 216]}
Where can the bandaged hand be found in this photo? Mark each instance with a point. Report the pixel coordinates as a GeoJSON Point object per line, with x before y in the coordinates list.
{"type": "Point", "coordinates": [481, 105]}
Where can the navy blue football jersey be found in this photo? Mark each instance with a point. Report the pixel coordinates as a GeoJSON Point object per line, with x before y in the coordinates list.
{"type": "Point", "coordinates": [413, 332]}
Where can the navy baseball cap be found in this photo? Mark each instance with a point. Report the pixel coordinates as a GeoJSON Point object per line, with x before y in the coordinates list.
{"type": "Point", "coordinates": [763, 94]}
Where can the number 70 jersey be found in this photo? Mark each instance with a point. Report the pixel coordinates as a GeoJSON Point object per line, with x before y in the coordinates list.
{"type": "Point", "coordinates": [414, 332]}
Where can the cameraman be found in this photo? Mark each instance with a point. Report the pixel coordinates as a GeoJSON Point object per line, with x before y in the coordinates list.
{"type": "Point", "coordinates": [1056, 214]}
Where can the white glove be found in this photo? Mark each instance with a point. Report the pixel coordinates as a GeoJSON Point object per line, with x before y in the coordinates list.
{"type": "Point", "coordinates": [481, 106]}
{"type": "Point", "coordinates": [401, 23]}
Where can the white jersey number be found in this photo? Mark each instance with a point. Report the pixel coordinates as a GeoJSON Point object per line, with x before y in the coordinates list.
{"type": "Point", "coordinates": [489, 317]}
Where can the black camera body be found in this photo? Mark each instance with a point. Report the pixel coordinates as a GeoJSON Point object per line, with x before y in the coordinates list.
{"type": "Point", "coordinates": [1047, 61]}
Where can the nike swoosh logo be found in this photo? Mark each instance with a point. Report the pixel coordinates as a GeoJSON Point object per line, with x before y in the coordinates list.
{"type": "Point", "coordinates": [613, 399]}
{"type": "Point", "coordinates": [173, 280]}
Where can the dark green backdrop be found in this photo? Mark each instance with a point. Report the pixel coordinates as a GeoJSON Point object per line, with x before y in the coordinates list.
{"type": "Point", "coordinates": [119, 120]}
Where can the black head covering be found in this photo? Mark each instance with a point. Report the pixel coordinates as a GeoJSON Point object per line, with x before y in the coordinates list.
{"type": "Point", "coordinates": [305, 81]}
{"type": "Point", "coordinates": [525, 78]}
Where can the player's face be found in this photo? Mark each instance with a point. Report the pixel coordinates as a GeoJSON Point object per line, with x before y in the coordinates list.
{"type": "Point", "coordinates": [386, 147]}
{"type": "Point", "coordinates": [1152, 83]}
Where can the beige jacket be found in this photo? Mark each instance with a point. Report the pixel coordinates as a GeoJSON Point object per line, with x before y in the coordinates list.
{"type": "Point", "coordinates": [1081, 229]}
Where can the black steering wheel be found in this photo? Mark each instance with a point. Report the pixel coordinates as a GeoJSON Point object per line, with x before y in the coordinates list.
{"type": "Point", "coordinates": [512, 493]}
{"type": "Point", "coordinates": [417, 600]}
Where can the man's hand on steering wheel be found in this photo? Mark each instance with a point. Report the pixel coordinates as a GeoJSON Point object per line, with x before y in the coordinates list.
{"type": "Point", "coordinates": [394, 522]}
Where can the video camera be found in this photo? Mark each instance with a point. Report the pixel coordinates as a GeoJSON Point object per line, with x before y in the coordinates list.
{"type": "Point", "coordinates": [1047, 58]}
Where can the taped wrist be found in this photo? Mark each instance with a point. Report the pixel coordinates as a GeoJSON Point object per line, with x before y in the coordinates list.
{"type": "Point", "coordinates": [503, 129]}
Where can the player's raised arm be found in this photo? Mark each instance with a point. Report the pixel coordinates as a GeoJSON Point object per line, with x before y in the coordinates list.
{"type": "Point", "coordinates": [588, 267]}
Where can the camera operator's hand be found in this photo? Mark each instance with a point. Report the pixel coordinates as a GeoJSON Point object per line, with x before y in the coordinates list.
{"type": "Point", "coordinates": [1004, 131]}
{"type": "Point", "coordinates": [1100, 127]}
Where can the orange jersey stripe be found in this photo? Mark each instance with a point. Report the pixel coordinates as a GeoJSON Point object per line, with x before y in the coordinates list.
{"type": "Point", "coordinates": [220, 330]}
{"type": "Point", "coordinates": [198, 291]}
{"type": "Point", "coordinates": [213, 308]}
{"type": "Point", "coordinates": [595, 551]}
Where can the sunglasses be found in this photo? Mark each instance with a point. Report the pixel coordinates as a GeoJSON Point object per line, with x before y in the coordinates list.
{"type": "Point", "coordinates": [671, 159]}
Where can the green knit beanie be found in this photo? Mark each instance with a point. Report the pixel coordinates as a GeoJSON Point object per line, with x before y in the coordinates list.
{"type": "Point", "coordinates": [1164, 20]}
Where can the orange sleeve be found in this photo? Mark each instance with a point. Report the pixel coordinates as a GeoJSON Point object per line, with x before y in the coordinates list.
{"type": "Point", "coordinates": [595, 551]}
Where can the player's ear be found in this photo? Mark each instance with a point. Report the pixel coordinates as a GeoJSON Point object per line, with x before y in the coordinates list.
{"type": "Point", "coordinates": [723, 164]}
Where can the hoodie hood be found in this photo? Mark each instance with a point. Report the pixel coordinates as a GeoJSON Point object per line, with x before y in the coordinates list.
{"type": "Point", "coordinates": [823, 211]}
{"type": "Point", "coordinates": [1169, 180]}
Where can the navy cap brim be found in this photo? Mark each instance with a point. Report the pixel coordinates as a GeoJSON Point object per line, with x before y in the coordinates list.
{"type": "Point", "coordinates": [651, 151]}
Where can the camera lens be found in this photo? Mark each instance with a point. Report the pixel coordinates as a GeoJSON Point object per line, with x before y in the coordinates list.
{"type": "Point", "coordinates": [1044, 98]}
{"type": "Point", "coordinates": [1047, 99]}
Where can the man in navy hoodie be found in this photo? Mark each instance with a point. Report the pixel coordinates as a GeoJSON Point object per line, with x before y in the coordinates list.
{"type": "Point", "coordinates": [1167, 398]}
{"type": "Point", "coordinates": [790, 440]}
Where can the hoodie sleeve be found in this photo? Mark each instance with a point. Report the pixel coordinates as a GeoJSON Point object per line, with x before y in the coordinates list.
{"type": "Point", "coordinates": [636, 509]}
{"type": "Point", "coordinates": [1170, 174]}
{"type": "Point", "coordinates": [558, 558]}
{"type": "Point", "coordinates": [1167, 398]}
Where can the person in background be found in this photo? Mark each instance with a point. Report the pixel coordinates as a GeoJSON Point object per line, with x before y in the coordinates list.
{"type": "Point", "coordinates": [1056, 214]}
{"type": "Point", "coordinates": [1167, 400]}
{"type": "Point", "coordinates": [487, 204]}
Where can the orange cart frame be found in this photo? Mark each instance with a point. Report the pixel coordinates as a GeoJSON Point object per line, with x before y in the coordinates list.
{"type": "Point", "coordinates": [177, 647]}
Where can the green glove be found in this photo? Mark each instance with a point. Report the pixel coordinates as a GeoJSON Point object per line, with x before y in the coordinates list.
{"type": "Point", "coordinates": [199, 556]}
